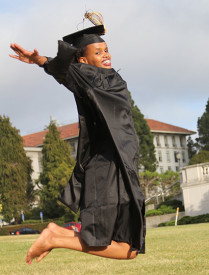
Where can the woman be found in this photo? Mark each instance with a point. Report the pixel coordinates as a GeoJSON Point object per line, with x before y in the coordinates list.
{"type": "Point", "coordinates": [104, 184]}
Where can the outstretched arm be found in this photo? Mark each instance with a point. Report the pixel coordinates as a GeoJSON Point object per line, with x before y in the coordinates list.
{"type": "Point", "coordinates": [27, 56]}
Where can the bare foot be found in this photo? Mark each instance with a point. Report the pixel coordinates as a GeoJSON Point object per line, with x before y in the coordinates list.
{"type": "Point", "coordinates": [42, 256]}
{"type": "Point", "coordinates": [59, 231]}
{"type": "Point", "coordinates": [40, 246]}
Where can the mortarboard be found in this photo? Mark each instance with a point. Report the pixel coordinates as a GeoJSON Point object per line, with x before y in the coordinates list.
{"type": "Point", "coordinates": [85, 37]}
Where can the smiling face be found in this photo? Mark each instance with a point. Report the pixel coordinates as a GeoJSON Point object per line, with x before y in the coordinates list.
{"type": "Point", "coordinates": [97, 54]}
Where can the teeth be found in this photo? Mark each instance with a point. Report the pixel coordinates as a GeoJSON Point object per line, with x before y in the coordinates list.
{"type": "Point", "coordinates": [106, 61]}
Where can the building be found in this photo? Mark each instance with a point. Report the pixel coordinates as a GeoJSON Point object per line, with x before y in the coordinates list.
{"type": "Point", "coordinates": [169, 141]}
{"type": "Point", "coordinates": [195, 189]}
{"type": "Point", "coordinates": [170, 145]}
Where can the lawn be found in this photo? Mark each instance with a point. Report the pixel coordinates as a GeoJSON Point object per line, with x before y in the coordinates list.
{"type": "Point", "coordinates": [169, 250]}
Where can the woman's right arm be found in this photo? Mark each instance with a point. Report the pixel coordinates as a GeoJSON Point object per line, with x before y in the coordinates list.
{"type": "Point", "coordinates": [27, 56]}
{"type": "Point", "coordinates": [57, 67]}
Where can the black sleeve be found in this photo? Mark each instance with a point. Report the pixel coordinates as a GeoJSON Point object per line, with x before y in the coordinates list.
{"type": "Point", "coordinates": [58, 66]}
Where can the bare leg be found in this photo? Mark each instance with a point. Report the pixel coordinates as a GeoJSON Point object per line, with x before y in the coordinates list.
{"type": "Point", "coordinates": [49, 240]}
{"type": "Point", "coordinates": [61, 230]}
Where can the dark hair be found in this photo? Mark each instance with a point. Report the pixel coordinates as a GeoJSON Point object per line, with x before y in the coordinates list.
{"type": "Point", "coordinates": [80, 52]}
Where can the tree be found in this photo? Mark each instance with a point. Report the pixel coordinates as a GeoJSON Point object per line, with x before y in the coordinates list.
{"type": "Point", "coordinates": [192, 147]}
{"type": "Point", "coordinates": [169, 183]}
{"type": "Point", "coordinates": [0, 210]}
{"type": "Point", "coordinates": [154, 184]}
{"type": "Point", "coordinates": [201, 157]}
{"type": "Point", "coordinates": [16, 188]}
{"type": "Point", "coordinates": [57, 167]}
{"type": "Point", "coordinates": [149, 181]}
{"type": "Point", "coordinates": [203, 129]}
{"type": "Point", "coordinates": [147, 158]}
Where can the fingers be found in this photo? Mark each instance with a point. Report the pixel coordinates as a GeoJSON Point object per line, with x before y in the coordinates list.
{"type": "Point", "coordinates": [26, 56]}
{"type": "Point", "coordinates": [16, 47]}
{"type": "Point", "coordinates": [36, 51]}
{"type": "Point", "coordinates": [20, 52]}
{"type": "Point", "coordinates": [14, 56]}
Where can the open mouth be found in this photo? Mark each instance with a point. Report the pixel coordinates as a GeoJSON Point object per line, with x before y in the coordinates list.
{"type": "Point", "coordinates": [106, 62]}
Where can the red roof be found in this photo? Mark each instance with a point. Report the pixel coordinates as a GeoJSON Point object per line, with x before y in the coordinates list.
{"type": "Point", "coordinates": [72, 130]}
{"type": "Point", "coordinates": [37, 139]}
{"type": "Point", "coordinates": [157, 126]}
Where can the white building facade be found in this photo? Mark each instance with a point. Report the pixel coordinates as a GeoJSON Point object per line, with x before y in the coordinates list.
{"type": "Point", "coordinates": [170, 145]}
{"type": "Point", "coordinates": [35, 154]}
{"type": "Point", "coordinates": [171, 151]}
{"type": "Point", "coordinates": [195, 189]}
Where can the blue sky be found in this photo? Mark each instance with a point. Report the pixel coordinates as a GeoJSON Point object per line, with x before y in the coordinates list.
{"type": "Point", "coordinates": [160, 46]}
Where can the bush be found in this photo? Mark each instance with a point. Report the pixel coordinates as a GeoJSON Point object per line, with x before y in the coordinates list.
{"type": "Point", "coordinates": [191, 220]}
{"type": "Point", "coordinates": [170, 223]}
{"type": "Point", "coordinates": [188, 220]}
{"type": "Point", "coordinates": [154, 212]}
{"type": "Point", "coordinates": [3, 231]}
{"type": "Point", "coordinates": [166, 207]}
{"type": "Point", "coordinates": [31, 221]}
{"type": "Point", "coordinates": [173, 203]}
{"type": "Point", "coordinates": [34, 224]}
{"type": "Point", "coordinates": [33, 214]}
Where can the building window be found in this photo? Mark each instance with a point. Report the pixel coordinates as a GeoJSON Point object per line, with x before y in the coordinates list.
{"type": "Point", "coordinates": [168, 156]}
{"type": "Point", "coordinates": [161, 169]}
{"type": "Point", "coordinates": [72, 145]}
{"type": "Point", "coordinates": [174, 141]}
{"type": "Point", "coordinates": [177, 156]}
{"type": "Point", "coordinates": [182, 141]}
{"type": "Point", "coordinates": [158, 140]}
{"type": "Point", "coordinates": [169, 168]}
{"type": "Point", "coordinates": [177, 168]}
{"type": "Point", "coordinates": [166, 141]}
{"type": "Point", "coordinates": [183, 156]}
{"type": "Point", "coordinates": [160, 156]}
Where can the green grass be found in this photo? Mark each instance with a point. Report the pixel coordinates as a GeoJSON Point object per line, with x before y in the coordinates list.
{"type": "Point", "coordinates": [169, 250]}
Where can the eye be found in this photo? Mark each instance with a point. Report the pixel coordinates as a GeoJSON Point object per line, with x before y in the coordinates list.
{"type": "Point", "coordinates": [97, 52]}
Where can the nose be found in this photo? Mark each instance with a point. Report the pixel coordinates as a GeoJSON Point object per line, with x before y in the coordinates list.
{"type": "Point", "coordinates": [107, 55]}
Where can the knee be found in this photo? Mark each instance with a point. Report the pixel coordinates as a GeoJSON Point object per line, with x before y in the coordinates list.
{"type": "Point", "coordinates": [126, 252]}
{"type": "Point", "coordinates": [52, 226]}
{"type": "Point", "coordinates": [132, 255]}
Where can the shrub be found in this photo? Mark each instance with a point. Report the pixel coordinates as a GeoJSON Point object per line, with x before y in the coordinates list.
{"type": "Point", "coordinates": [197, 219]}
{"type": "Point", "coordinates": [188, 220]}
{"type": "Point", "coordinates": [37, 225]}
{"type": "Point", "coordinates": [154, 212]}
{"type": "Point", "coordinates": [31, 222]}
{"type": "Point", "coordinates": [166, 207]}
{"type": "Point", "coordinates": [33, 214]}
{"type": "Point", "coordinates": [3, 231]}
{"type": "Point", "coordinates": [173, 203]}
{"type": "Point", "coordinates": [170, 223]}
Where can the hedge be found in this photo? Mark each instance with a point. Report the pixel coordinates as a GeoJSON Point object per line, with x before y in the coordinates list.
{"type": "Point", "coordinates": [188, 220]}
{"type": "Point", "coordinates": [37, 225]}
{"type": "Point", "coordinates": [166, 207]}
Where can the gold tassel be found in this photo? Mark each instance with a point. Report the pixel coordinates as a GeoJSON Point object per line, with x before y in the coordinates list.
{"type": "Point", "coordinates": [95, 17]}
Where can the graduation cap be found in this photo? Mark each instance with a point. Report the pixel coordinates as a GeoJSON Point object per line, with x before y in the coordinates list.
{"type": "Point", "coordinates": [85, 37]}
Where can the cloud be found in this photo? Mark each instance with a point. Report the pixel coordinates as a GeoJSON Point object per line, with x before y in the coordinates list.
{"type": "Point", "coordinates": [160, 47]}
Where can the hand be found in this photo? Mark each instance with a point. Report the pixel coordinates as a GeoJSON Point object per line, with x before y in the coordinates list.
{"type": "Point", "coordinates": [27, 56]}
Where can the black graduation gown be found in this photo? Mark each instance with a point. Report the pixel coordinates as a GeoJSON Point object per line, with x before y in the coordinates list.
{"type": "Point", "coordinates": [104, 183]}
